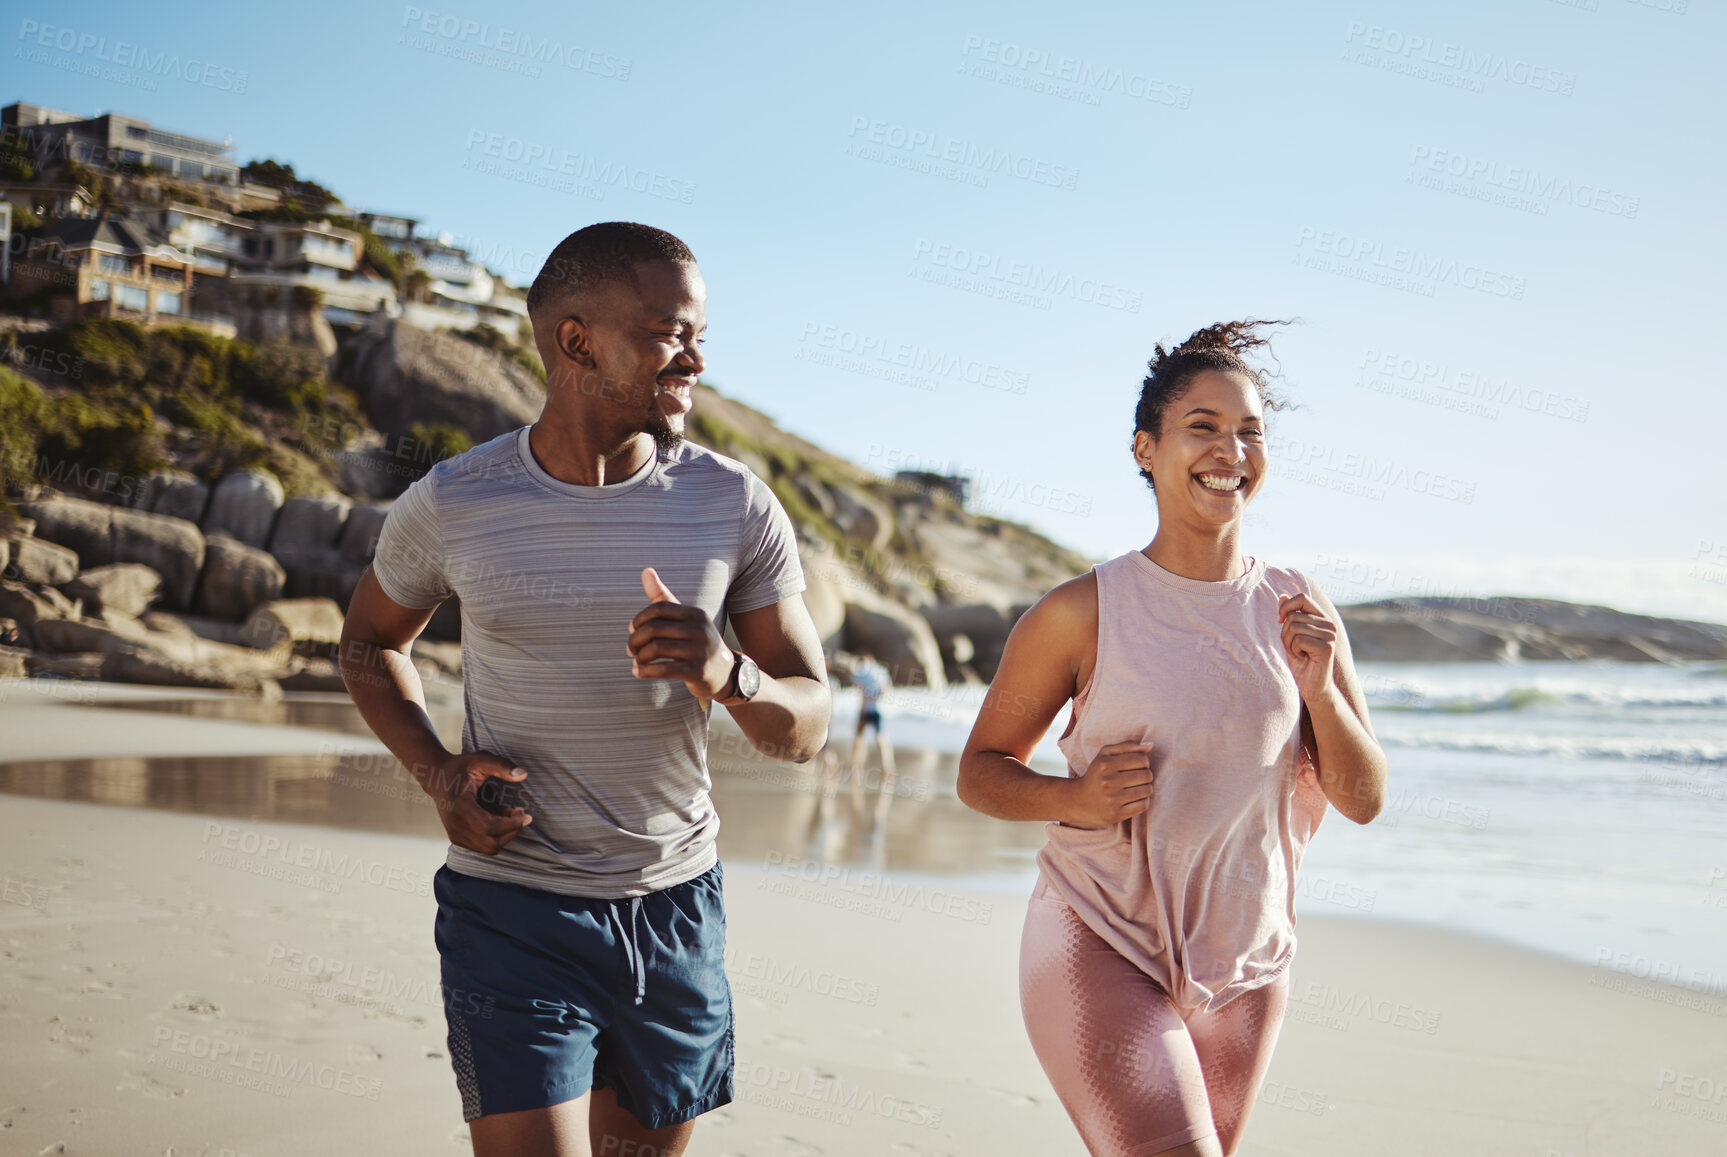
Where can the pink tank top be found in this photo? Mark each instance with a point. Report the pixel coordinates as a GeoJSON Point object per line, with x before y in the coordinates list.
{"type": "Point", "coordinates": [1199, 891]}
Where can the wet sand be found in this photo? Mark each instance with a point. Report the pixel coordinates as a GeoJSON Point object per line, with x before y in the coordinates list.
{"type": "Point", "coordinates": [239, 981]}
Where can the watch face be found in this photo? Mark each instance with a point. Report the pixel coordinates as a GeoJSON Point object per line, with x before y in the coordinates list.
{"type": "Point", "coordinates": [749, 678]}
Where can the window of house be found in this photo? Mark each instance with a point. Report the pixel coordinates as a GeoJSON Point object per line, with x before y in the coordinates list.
{"type": "Point", "coordinates": [99, 289]}
{"type": "Point", "coordinates": [165, 273]}
{"type": "Point", "coordinates": [132, 297]}
{"type": "Point", "coordinates": [167, 302]}
{"type": "Point", "coordinates": [113, 264]}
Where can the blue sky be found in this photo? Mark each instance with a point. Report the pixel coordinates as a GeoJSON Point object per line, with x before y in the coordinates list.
{"type": "Point", "coordinates": [950, 238]}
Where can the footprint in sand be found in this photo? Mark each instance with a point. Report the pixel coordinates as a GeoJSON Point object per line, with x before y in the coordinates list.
{"type": "Point", "coordinates": [780, 1041]}
{"type": "Point", "coordinates": [797, 1147]}
{"type": "Point", "coordinates": [149, 1086]}
{"type": "Point", "coordinates": [72, 1040]}
{"type": "Point", "coordinates": [1012, 1097]}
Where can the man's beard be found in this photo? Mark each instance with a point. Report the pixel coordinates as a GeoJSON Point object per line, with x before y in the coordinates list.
{"type": "Point", "coordinates": [660, 427]}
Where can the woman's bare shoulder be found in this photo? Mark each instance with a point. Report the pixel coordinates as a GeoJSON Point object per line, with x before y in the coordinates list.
{"type": "Point", "coordinates": [1064, 607]}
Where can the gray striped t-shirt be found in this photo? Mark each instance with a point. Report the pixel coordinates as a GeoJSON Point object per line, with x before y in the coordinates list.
{"type": "Point", "coordinates": [549, 577]}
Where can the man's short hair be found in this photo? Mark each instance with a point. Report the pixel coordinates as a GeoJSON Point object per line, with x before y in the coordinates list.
{"type": "Point", "coordinates": [607, 252]}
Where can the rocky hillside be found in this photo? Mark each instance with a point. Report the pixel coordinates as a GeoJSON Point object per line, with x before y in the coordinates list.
{"type": "Point", "coordinates": [169, 490]}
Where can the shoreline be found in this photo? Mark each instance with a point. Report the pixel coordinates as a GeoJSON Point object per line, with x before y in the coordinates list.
{"type": "Point", "coordinates": [181, 983]}
{"type": "Point", "coordinates": [57, 728]}
{"type": "Point", "coordinates": [191, 982]}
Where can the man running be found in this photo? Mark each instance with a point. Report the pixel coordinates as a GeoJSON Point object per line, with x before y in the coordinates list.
{"type": "Point", "coordinates": [872, 681]}
{"type": "Point", "coordinates": [596, 555]}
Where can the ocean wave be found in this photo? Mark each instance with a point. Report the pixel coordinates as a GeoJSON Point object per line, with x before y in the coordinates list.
{"type": "Point", "coordinates": [1678, 753]}
{"type": "Point", "coordinates": [1417, 699]}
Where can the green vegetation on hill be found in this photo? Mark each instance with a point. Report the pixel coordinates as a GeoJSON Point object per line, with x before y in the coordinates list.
{"type": "Point", "coordinates": [302, 200]}
{"type": "Point", "coordinates": [142, 398]}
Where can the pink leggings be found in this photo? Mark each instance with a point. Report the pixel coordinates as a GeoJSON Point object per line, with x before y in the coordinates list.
{"type": "Point", "coordinates": [1136, 1074]}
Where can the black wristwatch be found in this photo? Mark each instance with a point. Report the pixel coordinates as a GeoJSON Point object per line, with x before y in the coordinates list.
{"type": "Point", "coordinates": [746, 680]}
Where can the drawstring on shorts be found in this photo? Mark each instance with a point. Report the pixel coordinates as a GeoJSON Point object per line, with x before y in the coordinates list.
{"type": "Point", "coordinates": [630, 937]}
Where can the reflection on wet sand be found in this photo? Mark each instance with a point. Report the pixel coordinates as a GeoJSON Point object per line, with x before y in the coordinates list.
{"type": "Point", "coordinates": [324, 711]}
{"type": "Point", "coordinates": [767, 807]}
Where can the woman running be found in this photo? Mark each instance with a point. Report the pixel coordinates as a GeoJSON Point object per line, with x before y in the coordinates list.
{"type": "Point", "coordinates": [1215, 712]}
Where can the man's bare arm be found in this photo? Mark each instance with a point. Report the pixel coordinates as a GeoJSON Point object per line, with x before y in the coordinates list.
{"type": "Point", "coordinates": [386, 687]}
{"type": "Point", "coordinates": [788, 718]}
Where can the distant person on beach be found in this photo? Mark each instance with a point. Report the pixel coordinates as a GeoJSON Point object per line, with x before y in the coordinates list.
{"type": "Point", "coordinates": [597, 556]}
{"type": "Point", "coordinates": [872, 681]}
{"type": "Point", "coordinates": [1216, 710]}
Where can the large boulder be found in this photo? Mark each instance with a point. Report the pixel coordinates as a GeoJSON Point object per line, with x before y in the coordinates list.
{"type": "Point", "coordinates": [863, 519]}
{"type": "Point", "coordinates": [129, 636]}
{"type": "Point", "coordinates": [900, 640]}
{"type": "Point", "coordinates": [407, 375]}
{"type": "Point", "coordinates": [824, 598]}
{"type": "Point", "coordinates": [307, 525]}
{"type": "Point", "coordinates": [981, 626]}
{"type": "Point", "coordinates": [359, 539]}
{"type": "Point", "coordinates": [128, 588]}
{"type": "Point", "coordinates": [46, 666]}
{"type": "Point", "coordinates": [35, 560]}
{"type": "Point", "coordinates": [130, 663]}
{"type": "Point", "coordinates": [312, 626]}
{"type": "Point", "coordinates": [27, 607]}
{"type": "Point", "coordinates": [101, 535]}
{"type": "Point", "coordinates": [236, 579]}
{"type": "Point", "coordinates": [172, 492]}
{"type": "Point", "coordinates": [305, 543]}
{"type": "Point", "coordinates": [244, 506]}
{"type": "Point", "coordinates": [325, 575]}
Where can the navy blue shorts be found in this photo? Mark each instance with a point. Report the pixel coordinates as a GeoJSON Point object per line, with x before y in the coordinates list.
{"type": "Point", "coordinates": [869, 718]}
{"type": "Point", "coordinates": [547, 996]}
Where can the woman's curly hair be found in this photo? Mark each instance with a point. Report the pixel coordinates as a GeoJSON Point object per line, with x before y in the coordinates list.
{"type": "Point", "coordinates": [1223, 346]}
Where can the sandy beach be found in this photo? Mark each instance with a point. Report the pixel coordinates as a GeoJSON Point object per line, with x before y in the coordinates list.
{"type": "Point", "coordinates": [214, 984]}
